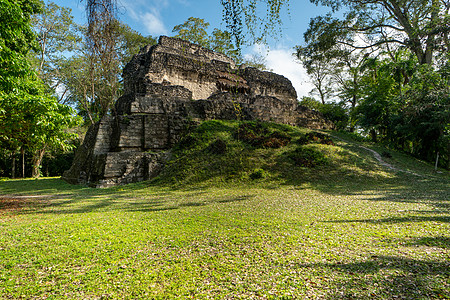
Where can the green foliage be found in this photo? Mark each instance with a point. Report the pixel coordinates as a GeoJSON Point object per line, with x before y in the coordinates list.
{"type": "Point", "coordinates": [84, 86]}
{"type": "Point", "coordinates": [310, 103]}
{"type": "Point", "coordinates": [309, 157]}
{"type": "Point", "coordinates": [219, 147]}
{"type": "Point", "coordinates": [16, 35]}
{"type": "Point", "coordinates": [253, 21]}
{"type": "Point", "coordinates": [57, 35]}
{"type": "Point", "coordinates": [259, 134]}
{"type": "Point", "coordinates": [335, 112]}
{"type": "Point", "coordinates": [258, 174]}
{"type": "Point", "coordinates": [407, 107]}
{"type": "Point", "coordinates": [195, 30]}
{"type": "Point", "coordinates": [30, 117]}
{"type": "Point", "coordinates": [376, 108]}
{"type": "Point", "coordinates": [56, 163]}
{"type": "Point", "coordinates": [423, 124]}
{"type": "Point", "coordinates": [16, 39]}
{"type": "Point", "coordinates": [422, 24]}
{"type": "Point", "coordinates": [314, 137]}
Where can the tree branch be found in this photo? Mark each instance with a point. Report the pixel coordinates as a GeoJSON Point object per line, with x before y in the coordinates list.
{"type": "Point", "coordinates": [372, 45]}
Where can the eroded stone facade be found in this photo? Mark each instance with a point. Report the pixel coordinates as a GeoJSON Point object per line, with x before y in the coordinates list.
{"type": "Point", "coordinates": [167, 88]}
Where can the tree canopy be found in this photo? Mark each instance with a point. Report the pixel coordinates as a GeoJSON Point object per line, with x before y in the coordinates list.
{"type": "Point", "coordinates": [30, 117]}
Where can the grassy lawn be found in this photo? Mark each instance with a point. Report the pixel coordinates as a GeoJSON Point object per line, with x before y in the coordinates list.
{"type": "Point", "coordinates": [347, 231]}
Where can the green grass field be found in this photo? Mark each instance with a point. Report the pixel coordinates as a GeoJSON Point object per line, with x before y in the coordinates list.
{"type": "Point", "coordinates": [347, 229]}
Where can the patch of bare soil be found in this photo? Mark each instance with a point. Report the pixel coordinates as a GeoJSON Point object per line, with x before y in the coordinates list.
{"type": "Point", "coordinates": [10, 203]}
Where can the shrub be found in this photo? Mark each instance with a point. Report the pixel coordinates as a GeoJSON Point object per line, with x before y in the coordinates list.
{"type": "Point", "coordinates": [314, 137]}
{"type": "Point", "coordinates": [258, 134]}
{"type": "Point", "coordinates": [258, 174]}
{"type": "Point", "coordinates": [386, 154]}
{"type": "Point", "coordinates": [218, 146]}
{"type": "Point", "coordinates": [307, 157]}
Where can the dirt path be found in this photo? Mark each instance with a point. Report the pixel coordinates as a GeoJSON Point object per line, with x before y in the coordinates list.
{"type": "Point", "coordinates": [378, 157]}
{"type": "Point", "coordinates": [387, 165]}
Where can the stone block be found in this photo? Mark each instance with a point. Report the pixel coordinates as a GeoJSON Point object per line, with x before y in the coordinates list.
{"type": "Point", "coordinates": [156, 128]}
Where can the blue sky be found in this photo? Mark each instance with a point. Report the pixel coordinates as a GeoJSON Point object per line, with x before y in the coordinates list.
{"type": "Point", "coordinates": [158, 17]}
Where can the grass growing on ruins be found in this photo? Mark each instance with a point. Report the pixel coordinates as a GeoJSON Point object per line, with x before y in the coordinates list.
{"type": "Point", "coordinates": [345, 228]}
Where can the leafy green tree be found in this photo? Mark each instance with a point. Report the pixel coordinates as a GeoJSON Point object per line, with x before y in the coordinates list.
{"type": "Point", "coordinates": [57, 35]}
{"type": "Point", "coordinates": [422, 126]}
{"type": "Point", "coordinates": [320, 69]}
{"type": "Point", "coordinates": [335, 112]}
{"type": "Point", "coordinates": [220, 41]}
{"type": "Point", "coordinates": [378, 104]}
{"type": "Point", "coordinates": [83, 85]}
{"type": "Point", "coordinates": [194, 30]}
{"type": "Point", "coordinates": [420, 26]}
{"type": "Point", "coordinates": [31, 119]}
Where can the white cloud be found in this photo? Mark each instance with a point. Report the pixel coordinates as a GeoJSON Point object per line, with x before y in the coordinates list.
{"type": "Point", "coordinates": [282, 62]}
{"type": "Point", "coordinates": [148, 16]}
{"type": "Point", "coordinates": [153, 23]}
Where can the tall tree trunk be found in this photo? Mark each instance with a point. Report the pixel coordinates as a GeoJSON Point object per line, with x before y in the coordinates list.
{"type": "Point", "coordinates": [13, 167]}
{"type": "Point", "coordinates": [37, 160]}
{"type": "Point", "coordinates": [373, 135]}
{"type": "Point", "coordinates": [22, 152]}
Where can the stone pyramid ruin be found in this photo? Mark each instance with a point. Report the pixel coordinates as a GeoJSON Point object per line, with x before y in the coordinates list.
{"type": "Point", "coordinates": [169, 87]}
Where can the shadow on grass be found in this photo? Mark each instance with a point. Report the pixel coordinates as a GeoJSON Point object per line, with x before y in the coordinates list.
{"type": "Point", "coordinates": [40, 186]}
{"type": "Point", "coordinates": [394, 220]}
{"type": "Point", "coordinates": [53, 196]}
{"type": "Point", "coordinates": [386, 277]}
{"type": "Point", "coordinates": [402, 188]}
{"type": "Point", "coordinates": [163, 205]}
{"type": "Point", "coordinates": [439, 241]}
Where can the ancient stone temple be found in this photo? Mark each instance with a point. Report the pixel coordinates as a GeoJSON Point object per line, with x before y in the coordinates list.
{"type": "Point", "coordinates": [167, 88]}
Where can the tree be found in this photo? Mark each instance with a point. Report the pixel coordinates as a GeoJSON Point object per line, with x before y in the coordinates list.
{"type": "Point", "coordinates": [16, 39]}
{"type": "Point", "coordinates": [377, 106]}
{"type": "Point", "coordinates": [102, 55]}
{"type": "Point", "coordinates": [85, 86]}
{"type": "Point", "coordinates": [30, 117]}
{"type": "Point", "coordinates": [220, 41]}
{"type": "Point", "coordinates": [320, 69]}
{"type": "Point", "coordinates": [57, 35]}
{"type": "Point", "coordinates": [422, 126]}
{"type": "Point", "coordinates": [335, 112]}
{"type": "Point", "coordinates": [420, 26]}
{"type": "Point", "coordinates": [195, 30]}
{"type": "Point", "coordinates": [245, 23]}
